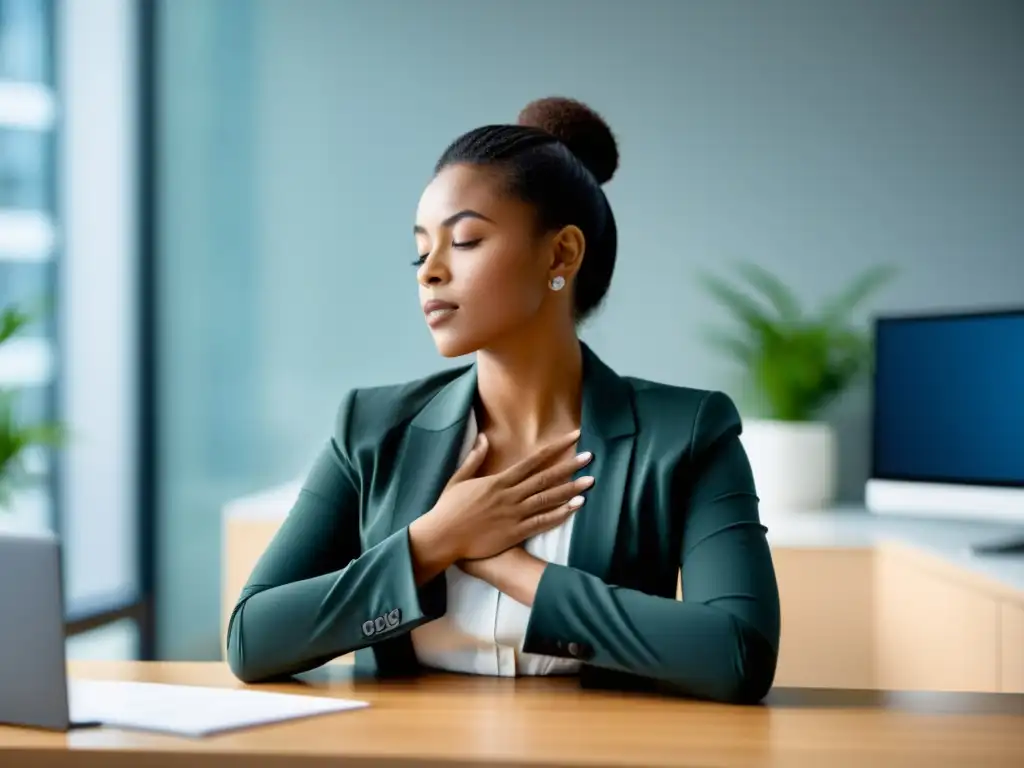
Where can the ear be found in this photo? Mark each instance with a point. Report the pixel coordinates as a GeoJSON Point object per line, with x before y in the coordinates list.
{"type": "Point", "coordinates": [568, 247]}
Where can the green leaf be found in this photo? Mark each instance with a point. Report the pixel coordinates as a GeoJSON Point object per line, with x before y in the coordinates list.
{"type": "Point", "coordinates": [793, 364]}
{"type": "Point", "coordinates": [16, 437]}
{"type": "Point", "coordinates": [49, 435]}
{"type": "Point", "coordinates": [12, 321]}
{"type": "Point", "coordinates": [739, 304]}
{"type": "Point", "coordinates": [846, 302]}
{"type": "Point", "coordinates": [740, 349]}
{"type": "Point", "coordinates": [772, 288]}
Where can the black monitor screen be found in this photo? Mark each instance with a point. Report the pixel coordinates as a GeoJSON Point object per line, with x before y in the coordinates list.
{"type": "Point", "coordinates": [949, 399]}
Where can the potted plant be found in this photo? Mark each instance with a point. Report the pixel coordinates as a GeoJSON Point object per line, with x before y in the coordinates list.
{"type": "Point", "coordinates": [16, 438]}
{"type": "Point", "coordinates": [793, 365]}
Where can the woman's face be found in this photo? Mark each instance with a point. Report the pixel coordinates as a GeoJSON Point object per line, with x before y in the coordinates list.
{"type": "Point", "coordinates": [483, 268]}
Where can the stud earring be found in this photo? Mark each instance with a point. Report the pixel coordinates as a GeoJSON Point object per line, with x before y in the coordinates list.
{"type": "Point", "coordinates": [557, 283]}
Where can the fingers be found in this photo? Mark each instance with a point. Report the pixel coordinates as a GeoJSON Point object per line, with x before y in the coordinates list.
{"type": "Point", "coordinates": [551, 519]}
{"type": "Point", "coordinates": [474, 459]}
{"type": "Point", "coordinates": [553, 476]}
{"type": "Point", "coordinates": [550, 498]}
{"type": "Point", "coordinates": [528, 466]}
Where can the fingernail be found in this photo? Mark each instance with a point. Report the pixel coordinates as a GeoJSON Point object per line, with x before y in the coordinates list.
{"type": "Point", "coordinates": [584, 457]}
{"type": "Point", "coordinates": [575, 502]}
{"type": "Point", "coordinates": [576, 432]}
{"type": "Point", "coordinates": [586, 482]}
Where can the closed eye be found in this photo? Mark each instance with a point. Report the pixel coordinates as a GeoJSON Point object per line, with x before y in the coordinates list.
{"type": "Point", "coordinates": [464, 245]}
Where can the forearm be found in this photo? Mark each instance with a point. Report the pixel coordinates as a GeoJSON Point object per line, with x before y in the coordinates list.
{"type": "Point", "coordinates": [432, 548]}
{"type": "Point", "coordinates": [296, 626]}
{"type": "Point", "coordinates": [515, 573]}
{"type": "Point", "coordinates": [699, 650]}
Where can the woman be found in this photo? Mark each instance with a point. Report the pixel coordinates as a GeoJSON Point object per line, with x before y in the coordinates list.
{"type": "Point", "coordinates": [528, 514]}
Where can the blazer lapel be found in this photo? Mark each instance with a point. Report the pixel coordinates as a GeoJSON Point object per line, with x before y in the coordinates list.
{"type": "Point", "coordinates": [608, 430]}
{"type": "Point", "coordinates": [425, 460]}
{"type": "Point", "coordinates": [429, 453]}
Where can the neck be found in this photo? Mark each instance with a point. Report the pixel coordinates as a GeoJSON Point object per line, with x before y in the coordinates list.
{"type": "Point", "coordinates": [531, 387]}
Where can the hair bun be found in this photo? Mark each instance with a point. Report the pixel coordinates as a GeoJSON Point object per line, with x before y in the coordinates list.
{"type": "Point", "coordinates": [580, 128]}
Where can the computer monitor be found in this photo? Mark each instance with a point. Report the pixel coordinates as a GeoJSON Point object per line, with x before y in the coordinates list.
{"type": "Point", "coordinates": [948, 416]}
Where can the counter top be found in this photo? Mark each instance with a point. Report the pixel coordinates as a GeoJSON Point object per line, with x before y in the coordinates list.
{"type": "Point", "coordinates": [948, 540]}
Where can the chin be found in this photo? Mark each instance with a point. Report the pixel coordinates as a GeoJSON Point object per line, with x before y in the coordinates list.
{"type": "Point", "coordinates": [449, 348]}
{"type": "Point", "coordinates": [454, 345]}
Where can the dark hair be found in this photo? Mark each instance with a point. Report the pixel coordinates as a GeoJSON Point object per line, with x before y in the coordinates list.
{"type": "Point", "coordinates": [556, 158]}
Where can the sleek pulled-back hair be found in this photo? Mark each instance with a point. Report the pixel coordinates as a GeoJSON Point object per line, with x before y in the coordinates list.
{"type": "Point", "coordinates": [556, 159]}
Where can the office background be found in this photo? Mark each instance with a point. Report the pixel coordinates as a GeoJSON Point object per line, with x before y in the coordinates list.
{"type": "Point", "coordinates": [246, 260]}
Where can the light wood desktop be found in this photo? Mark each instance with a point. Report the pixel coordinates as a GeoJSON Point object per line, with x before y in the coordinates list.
{"type": "Point", "coordinates": [464, 721]}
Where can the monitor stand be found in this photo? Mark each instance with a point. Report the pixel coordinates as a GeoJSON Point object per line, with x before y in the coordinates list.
{"type": "Point", "coordinates": [1010, 547]}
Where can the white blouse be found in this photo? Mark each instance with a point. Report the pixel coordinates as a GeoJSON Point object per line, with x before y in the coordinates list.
{"type": "Point", "coordinates": [482, 630]}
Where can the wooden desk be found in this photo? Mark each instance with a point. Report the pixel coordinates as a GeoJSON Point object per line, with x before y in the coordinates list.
{"type": "Point", "coordinates": [462, 721]}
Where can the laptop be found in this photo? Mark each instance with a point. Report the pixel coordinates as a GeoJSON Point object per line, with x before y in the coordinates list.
{"type": "Point", "coordinates": [33, 669]}
{"type": "Point", "coordinates": [35, 690]}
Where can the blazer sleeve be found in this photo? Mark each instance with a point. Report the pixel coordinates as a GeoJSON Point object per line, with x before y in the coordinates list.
{"type": "Point", "coordinates": [315, 594]}
{"type": "Point", "coordinates": [721, 642]}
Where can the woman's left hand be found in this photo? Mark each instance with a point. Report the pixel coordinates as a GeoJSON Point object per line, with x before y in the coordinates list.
{"type": "Point", "coordinates": [489, 565]}
{"type": "Point", "coordinates": [515, 572]}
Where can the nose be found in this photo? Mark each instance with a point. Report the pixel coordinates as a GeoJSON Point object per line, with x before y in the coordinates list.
{"type": "Point", "coordinates": [434, 271]}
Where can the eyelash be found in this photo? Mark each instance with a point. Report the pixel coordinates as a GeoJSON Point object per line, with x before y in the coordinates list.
{"type": "Point", "coordinates": [465, 245]}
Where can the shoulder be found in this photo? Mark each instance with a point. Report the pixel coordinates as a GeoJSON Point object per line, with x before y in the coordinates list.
{"type": "Point", "coordinates": [370, 413]}
{"type": "Point", "coordinates": [701, 416]}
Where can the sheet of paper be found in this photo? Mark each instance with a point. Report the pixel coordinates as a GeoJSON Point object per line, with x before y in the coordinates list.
{"type": "Point", "coordinates": [188, 710]}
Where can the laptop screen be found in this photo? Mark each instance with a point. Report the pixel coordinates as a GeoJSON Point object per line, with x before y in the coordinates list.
{"type": "Point", "coordinates": [949, 399]}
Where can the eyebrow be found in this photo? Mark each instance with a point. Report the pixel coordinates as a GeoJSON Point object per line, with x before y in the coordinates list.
{"type": "Point", "coordinates": [455, 217]}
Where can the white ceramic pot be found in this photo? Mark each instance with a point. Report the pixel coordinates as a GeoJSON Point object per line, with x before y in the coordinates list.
{"type": "Point", "coordinates": [794, 464]}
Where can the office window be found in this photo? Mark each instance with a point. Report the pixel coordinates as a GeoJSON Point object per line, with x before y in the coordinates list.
{"type": "Point", "coordinates": [28, 256]}
{"type": "Point", "coordinates": [99, 517]}
{"type": "Point", "coordinates": [115, 641]}
{"type": "Point", "coordinates": [68, 117]}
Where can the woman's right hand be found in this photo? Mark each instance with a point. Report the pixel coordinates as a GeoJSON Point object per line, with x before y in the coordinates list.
{"type": "Point", "coordinates": [478, 517]}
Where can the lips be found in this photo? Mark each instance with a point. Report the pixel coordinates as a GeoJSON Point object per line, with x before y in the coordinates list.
{"type": "Point", "coordinates": [438, 311]}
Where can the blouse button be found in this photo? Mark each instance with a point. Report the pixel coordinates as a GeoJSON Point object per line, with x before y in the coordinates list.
{"type": "Point", "coordinates": [573, 649]}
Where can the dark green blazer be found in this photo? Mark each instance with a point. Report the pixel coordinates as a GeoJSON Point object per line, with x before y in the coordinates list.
{"type": "Point", "coordinates": [673, 490]}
